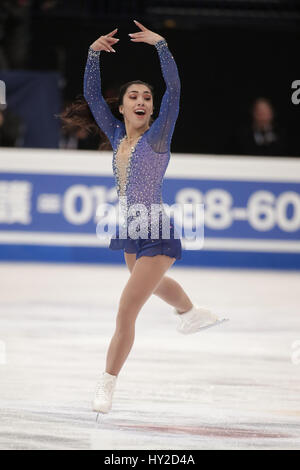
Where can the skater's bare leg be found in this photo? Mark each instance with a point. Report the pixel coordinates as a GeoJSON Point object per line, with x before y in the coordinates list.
{"type": "Point", "coordinates": [145, 276]}
{"type": "Point", "coordinates": [168, 289]}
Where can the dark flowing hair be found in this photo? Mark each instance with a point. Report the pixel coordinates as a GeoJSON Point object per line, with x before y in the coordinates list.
{"type": "Point", "coordinates": [77, 115]}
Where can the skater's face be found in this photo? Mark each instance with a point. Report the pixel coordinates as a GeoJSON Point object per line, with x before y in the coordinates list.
{"type": "Point", "coordinates": [137, 106]}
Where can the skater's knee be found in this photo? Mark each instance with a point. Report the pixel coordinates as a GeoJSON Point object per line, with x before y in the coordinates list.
{"type": "Point", "coordinates": [125, 331]}
{"type": "Point", "coordinates": [126, 318]}
{"type": "Point", "coordinates": [130, 303]}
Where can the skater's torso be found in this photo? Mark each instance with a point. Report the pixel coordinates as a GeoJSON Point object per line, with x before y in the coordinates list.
{"type": "Point", "coordinates": [138, 171]}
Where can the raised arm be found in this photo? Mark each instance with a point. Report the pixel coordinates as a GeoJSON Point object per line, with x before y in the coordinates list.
{"type": "Point", "coordinates": [92, 86]}
{"type": "Point", "coordinates": [162, 129]}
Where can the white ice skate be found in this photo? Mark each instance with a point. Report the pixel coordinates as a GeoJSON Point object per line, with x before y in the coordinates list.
{"type": "Point", "coordinates": [102, 402]}
{"type": "Point", "coordinates": [196, 319]}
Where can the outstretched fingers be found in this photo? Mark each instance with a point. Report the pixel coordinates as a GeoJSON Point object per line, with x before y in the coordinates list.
{"type": "Point", "coordinates": [112, 33]}
{"type": "Point", "coordinates": [145, 35]}
{"type": "Point", "coordinates": [109, 39]}
{"type": "Point", "coordinates": [137, 37]}
{"type": "Point", "coordinates": [107, 42]}
{"type": "Point", "coordinates": [143, 28]}
{"type": "Point", "coordinates": [140, 35]}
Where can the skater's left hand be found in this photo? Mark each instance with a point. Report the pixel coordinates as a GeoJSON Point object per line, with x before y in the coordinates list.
{"type": "Point", "coordinates": [147, 36]}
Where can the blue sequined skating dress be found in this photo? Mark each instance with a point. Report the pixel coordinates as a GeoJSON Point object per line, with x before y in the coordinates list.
{"type": "Point", "coordinates": [142, 178]}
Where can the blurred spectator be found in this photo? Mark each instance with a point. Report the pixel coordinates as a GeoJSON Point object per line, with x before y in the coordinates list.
{"type": "Point", "coordinates": [46, 5]}
{"type": "Point", "coordinates": [15, 35]}
{"type": "Point", "coordinates": [11, 129]}
{"type": "Point", "coordinates": [79, 139]}
{"type": "Point", "coordinates": [263, 136]}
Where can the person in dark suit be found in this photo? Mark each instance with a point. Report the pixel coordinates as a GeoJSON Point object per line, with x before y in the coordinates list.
{"type": "Point", "coordinates": [263, 136]}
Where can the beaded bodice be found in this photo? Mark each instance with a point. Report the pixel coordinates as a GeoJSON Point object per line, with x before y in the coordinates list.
{"type": "Point", "coordinates": [122, 164]}
{"type": "Point", "coordinates": [140, 176]}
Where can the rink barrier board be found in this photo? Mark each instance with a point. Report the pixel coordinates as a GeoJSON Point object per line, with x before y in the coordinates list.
{"type": "Point", "coordinates": [48, 200]}
{"type": "Point", "coordinates": [91, 255]}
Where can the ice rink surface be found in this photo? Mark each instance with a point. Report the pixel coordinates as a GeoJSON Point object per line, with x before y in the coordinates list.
{"type": "Point", "coordinates": [235, 386]}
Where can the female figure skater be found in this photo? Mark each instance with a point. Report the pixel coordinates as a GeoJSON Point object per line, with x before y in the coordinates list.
{"type": "Point", "coordinates": [141, 152]}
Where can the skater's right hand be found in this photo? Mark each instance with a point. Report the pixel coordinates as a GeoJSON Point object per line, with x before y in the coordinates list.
{"type": "Point", "coordinates": [104, 42]}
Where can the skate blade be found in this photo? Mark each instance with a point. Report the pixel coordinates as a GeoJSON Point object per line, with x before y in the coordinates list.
{"type": "Point", "coordinates": [98, 417]}
{"type": "Point", "coordinates": [218, 322]}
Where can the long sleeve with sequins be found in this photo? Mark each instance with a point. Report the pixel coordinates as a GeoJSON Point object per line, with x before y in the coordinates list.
{"type": "Point", "coordinates": [93, 95]}
{"type": "Point", "coordinates": [162, 129]}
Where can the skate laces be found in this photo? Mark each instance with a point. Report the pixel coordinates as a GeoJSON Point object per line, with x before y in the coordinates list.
{"type": "Point", "coordinates": [104, 388]}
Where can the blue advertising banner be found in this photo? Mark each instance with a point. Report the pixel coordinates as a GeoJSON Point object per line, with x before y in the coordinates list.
{"type": "Point", "coordinates": [49, 201]}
